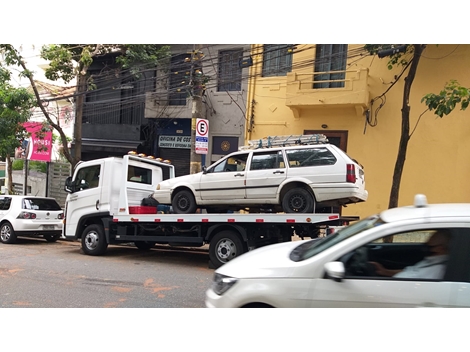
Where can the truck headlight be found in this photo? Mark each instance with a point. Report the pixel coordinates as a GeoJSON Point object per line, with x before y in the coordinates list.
{"type": "Point", "coordinates": [222, 283]}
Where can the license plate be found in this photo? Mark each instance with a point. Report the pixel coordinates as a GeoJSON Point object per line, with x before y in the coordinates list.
{"type": "Point", "coordinates": [48, 227]}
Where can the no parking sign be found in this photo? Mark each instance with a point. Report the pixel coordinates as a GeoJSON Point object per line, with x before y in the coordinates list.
{"type": "Point", "coordinates": [202, 136]}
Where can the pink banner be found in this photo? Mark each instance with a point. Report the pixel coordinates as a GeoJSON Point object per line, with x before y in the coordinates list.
{"type": "Point", "coordinates": [39, 149]}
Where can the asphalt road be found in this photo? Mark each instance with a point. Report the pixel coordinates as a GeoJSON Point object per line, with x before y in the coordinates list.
{"type": "Point", "coordinates": [34, 273]}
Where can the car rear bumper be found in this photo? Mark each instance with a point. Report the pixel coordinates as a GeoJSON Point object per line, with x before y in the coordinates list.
{"type": "Point", "coordinates": [35, 227]}
{"type": "Point", "coordinates": [341, 194]}
{"type": "Point", "coordinates": [39, 233]}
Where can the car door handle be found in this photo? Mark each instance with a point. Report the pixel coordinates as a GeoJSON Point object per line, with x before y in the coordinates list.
{"type": "Point", "coordinates": [97, 204]}
{"type": "Point", "coordinates": [375, 248]}
{"type": "Point", "coordinates": [239, 174]}
{"type": "Point", "coordinates": [278, 172]}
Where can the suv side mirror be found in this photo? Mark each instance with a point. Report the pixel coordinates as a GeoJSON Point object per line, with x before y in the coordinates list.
{"type": "Point", "coordinates": [335, 271]}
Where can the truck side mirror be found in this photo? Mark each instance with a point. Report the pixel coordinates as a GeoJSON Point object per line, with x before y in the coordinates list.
{"type": "Point", "coordinates": [68, 186]}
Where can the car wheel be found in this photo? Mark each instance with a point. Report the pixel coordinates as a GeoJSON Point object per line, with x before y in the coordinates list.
{"type": "Point", "coordinates": [225, 246]}
{"type": "Point", "coordinates": [94, 240]}
{"type": "Point", "coordinates": [144, 245]}
{"type": "Point", "coordinates": [7, 234]}
{"type": "Point", "coordinates": [52, 238]}
{"type": "Point", "coordinates": [298, 200]}
{"type": "Point", "coordinates": [184, 203]}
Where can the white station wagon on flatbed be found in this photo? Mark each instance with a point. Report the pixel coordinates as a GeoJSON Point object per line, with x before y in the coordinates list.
{"type": "Point", "coordinates": [301, 178]}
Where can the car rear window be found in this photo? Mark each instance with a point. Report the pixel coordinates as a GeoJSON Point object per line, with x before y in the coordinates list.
{"type": "Point", "coordinates": [40, 204]}
{"type": "Point", "coordinates": [310, 157]}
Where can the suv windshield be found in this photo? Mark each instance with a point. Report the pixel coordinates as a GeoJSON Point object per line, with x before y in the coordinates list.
{"type": "Point", "coordinates": [309, 249]}
{"type": "Point", "coordinates": [40, 204]}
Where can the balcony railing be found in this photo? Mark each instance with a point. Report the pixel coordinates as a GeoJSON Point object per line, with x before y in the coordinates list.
{"type": "Point", "coordinates": [353, 90]}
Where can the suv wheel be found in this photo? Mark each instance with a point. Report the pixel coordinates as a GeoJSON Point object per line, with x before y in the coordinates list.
{"type": "Point", "coordinates": [298, 200]}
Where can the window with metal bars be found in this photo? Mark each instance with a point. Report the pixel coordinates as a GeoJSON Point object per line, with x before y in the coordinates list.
{"type": "Point", "coordinates": [179, 79]}
{"type": "Point", "coordinates": [277, 59]}
{"type": "Point", "coordinates": [230, 72]}
{"type": "Point", "coordinates": [330, 60]}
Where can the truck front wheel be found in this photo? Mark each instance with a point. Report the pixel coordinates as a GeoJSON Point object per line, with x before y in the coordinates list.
{"type": "Point", "coordinates": [225, 246]}
{"type": "Point", "coordinates": [94, 240]}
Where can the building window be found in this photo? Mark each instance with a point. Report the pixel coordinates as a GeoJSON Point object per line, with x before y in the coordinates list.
{"type": "Point", "coordinates": [179, 72]}
{"type": "Point", "coordinates": [277, 59]}
{"type": "Point", "coordinates": [329, 59]}
{"type": "Point", "coordinates": [230, 72]}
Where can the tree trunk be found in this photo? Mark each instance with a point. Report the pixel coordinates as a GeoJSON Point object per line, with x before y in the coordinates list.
{"type": "Point", "coordinates": [405, 131]}
{"type": "Point", "coordinates": [54, 125]}
{"type": "Point", "coordinates": [405, 128]}
{"type": "Point", "coordinates": [10, 174]}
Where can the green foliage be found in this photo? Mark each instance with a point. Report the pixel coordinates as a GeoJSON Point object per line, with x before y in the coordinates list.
{"type": "Point", "coordinates": [135, 55]}
{"type": "Point", "coordinates": [41, 166]}
{"type": "Point", "coordinates": [66, 61]}
{"type": "Point", "coordinates": [396, 59]}
{"type": "Point", "coordinates": [17, 164]}
{"type": "Point", "coordinates": [447, 99]}
{"type": "Point", "coordinates": [15, 108]}
{"type": "Point", "coordinates": [61, 62]}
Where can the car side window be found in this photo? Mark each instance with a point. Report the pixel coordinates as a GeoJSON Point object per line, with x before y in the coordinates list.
{"type": "Point", "coordinates": [417, 255]}
{"type": "Point", "coordinates": [310, 157]}
{"type": "Point", "coordinates": [5, 203]}
{"type": "Point", "coordinates": [232, 164]}
{"type": "Point", "coordinates": [267, 160]}
{"type": "Point", "coordinates": [88, 177]}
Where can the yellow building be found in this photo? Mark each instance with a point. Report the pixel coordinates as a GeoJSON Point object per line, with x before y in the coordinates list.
{"type": "Point", "coordinates": [328, 89]}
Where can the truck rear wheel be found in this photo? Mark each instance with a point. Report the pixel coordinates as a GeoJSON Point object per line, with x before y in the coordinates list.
{"type": "Point", "coordinates": [94, 240]}
{"type": "Point", "coordinates": [225, 246]}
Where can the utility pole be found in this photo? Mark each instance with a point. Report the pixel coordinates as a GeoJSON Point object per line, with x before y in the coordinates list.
{"type": "Point", "coordinates": [196, 89]}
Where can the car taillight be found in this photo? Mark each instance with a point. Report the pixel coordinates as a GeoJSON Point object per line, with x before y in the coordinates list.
{"type": "Point", "coordinates": [351, 173]}
{"type": "Point", "coordinates": [26, 215]}
{"type": "Point", "coordinates": [60, 216]}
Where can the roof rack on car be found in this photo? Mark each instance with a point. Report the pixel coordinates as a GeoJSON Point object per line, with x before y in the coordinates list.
{"type": "Point", "coordinates": [284, 141]}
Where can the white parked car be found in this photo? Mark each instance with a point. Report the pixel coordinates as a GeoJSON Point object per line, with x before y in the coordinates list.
{"type": "Point", "coordinates": [302, 178]}
{"type": "Point", "coordinates": [29, 216]}
{"type": "Point", "coordinates": [341, 270]}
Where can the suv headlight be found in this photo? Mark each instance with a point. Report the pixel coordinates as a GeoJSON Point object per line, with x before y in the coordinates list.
{"type": "Point", "coordinates": [222, 283]}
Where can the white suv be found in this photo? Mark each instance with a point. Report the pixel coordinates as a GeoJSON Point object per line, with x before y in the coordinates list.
{"type": "Point", "coordinates": [346, 269]}
{"type": "Point", "coordinates": [29, 216]}
{"type": "Point", "coordinates": [301, 178]}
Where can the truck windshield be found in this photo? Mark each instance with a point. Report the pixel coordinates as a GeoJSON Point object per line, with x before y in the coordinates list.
{"type": "Point", "coordinates": [309, 249]}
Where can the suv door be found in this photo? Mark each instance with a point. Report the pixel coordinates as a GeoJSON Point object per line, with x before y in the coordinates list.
{"type": "Point", "coordinates": [225, 180]}
{"type": "Point", "coordinates": [267, 171]}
